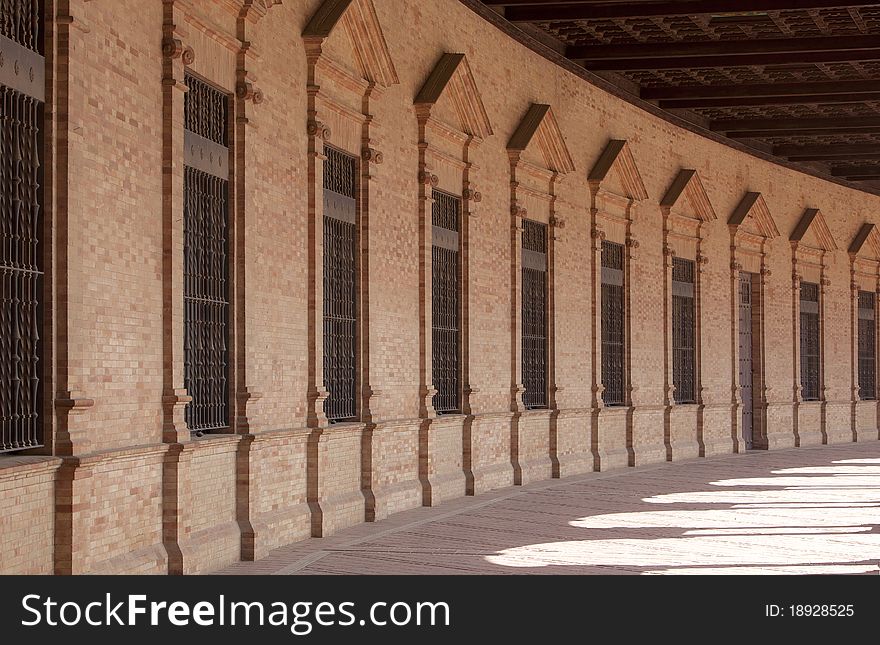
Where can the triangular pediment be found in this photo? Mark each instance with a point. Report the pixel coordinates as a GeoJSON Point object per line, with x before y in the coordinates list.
{"type": "Point", "coordinates": [753, 215]}
{"type": "Point", "coordinates": [360, 22]}
{"type": "Point", "coordinates": [451, 81]}
{"type": "Point", "coordinates": [813, 231]}
{"type": "Point", "coordinates": [687, 196]}
{"type": "Point", "coordinates": [254, 9]}
{"type": "Point", "coordinates": [539, 126]}
{"type": "Point", "coordinates": [617, 164]}
{"type": "Point", "coordinates": [866, 243]}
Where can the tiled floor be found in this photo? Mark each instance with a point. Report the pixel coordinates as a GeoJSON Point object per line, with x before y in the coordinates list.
{"type": "Point", "coordinates": [807, 510]}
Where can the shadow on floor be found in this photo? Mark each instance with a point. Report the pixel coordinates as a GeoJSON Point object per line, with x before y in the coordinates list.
{"type": "Point", "coordinates": [804, 511]}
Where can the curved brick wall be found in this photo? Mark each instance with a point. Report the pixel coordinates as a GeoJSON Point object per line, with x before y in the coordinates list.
{"type": "Point", "coordinates": [127, 491]}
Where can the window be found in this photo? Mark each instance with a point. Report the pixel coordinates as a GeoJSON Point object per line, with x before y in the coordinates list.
{"type": "Point", "coordinates": [446, 330]}
{"type": "Point", "coordinates": [340, 285]}
{"type": "Point", "coordinates": [206, 256]}
{"type": "Point", "coordinates": [867, 346]}
{"type": "Point", "coordinates": [534, 314]}
{"type": "Point", "coordinates": [810, 355]}
{"type": "Point", "coordinates": [613, 329]}
{"type": "Point", "coordinates": [21, 109]}
{"type": "Point", "coordinates": [683, 331]}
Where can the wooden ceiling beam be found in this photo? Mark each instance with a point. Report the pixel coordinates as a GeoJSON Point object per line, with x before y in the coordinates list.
{"type": "Point", "coordinates": [833, 150]}
{"type": "Point", "coordinates": [865, 156]}
{"type": "Point", "coordinates": [741, 101]}
{"type": "Point", "coordinates": [756, 90]}
{"type": "Point", "coordinates": [781, 126]}
{"type": "Point", "coordinates": [805, 132]}
{"type": "Point", "coordinates": [748, 60]}
{"type": "Point", "coordinates": [732, 48]}
{"type": "Point", "coordinates": [855, 171]}
{"type": "Point", "coordinates": [567, 11]}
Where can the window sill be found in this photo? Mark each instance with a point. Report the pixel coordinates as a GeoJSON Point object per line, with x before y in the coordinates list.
{"type": "Point", "coordinates": [537, 412]}
{"type": "Point", "coordinates": [15, 465]}
{"type": "Point", "coordinates": [343, 423]}
{"type": "Point", "coordinates": [204, 434]}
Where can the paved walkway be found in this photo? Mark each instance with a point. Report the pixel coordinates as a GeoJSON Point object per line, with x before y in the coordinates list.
{"type": "Point", "coordinates": [807, 510]}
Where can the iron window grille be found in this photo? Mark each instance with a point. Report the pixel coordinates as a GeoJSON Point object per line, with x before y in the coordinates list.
{"type": "Point", "coordinates": [613, 325]}
{"type": "Point", "coordinates": [21, 202]}
{"type": "Point", "coordinates": [867, 346]}
{"type": "Point", "coordinates": [340, 285]}
{"type": "Point", "coordinates": [810, 349]}
{"type": "Point", "coordinates": [684, 357]}
{"type": "Point", "coordinates": [445, 300]}
{"type": "Point", "coordinates": [206, 260]}
{"type": "Point", "coordinates": [534, 314]}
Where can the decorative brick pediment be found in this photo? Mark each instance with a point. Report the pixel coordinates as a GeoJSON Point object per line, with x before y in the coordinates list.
{"type": "Point", "coordinates": [359, 19]}
{"type": "Point", "coordinates": [452, 79]}
{"type": "Point", "coordinates": [687, 197]}
{"type": "Point", "coordinates": [812, 231]}
{"type": "Point", "coordinates": [539, 126]}
{"type": "Point", "coordinates": [866, 243]}
{"type": "Point", "coordinates": [253, 10]}
{"type": "Point", "coordinates": [753, 216]}
{"type": "Point", "coordinates": [618, 164]}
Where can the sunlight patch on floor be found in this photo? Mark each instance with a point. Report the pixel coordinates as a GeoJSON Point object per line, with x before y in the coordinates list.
{"type": "Point", "coordinates": [803, 520]}
{"type": "Point", "coordinates": [826, 569]}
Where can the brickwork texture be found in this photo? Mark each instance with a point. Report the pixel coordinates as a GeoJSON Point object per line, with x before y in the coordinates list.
{"type": "Point", "coordinates": [122, 487]}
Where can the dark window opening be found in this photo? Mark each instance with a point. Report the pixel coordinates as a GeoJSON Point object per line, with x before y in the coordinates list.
{"type": "Point", "coordinates": [340, 285]}
{"type": "Point", "coordinates": [810, 347]}
{"type": "Point", "coordinates": [206, 263]}
{"type": "Point", "coordinates": [613, 325]}
{"type": "Point", "coordinates": [445, 302]}
{"type": "Point", "coordinates": [21, 204]}
{"type": "Point", "coordinates": [867, 346]}
{"type": "Point", "coordinates": [684, 357]}
{"type": "Point", "coordinates": [534, 314]}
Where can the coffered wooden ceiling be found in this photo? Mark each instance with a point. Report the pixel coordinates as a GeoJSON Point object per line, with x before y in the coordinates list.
{"type": "Point", "coordinates": [795, 79]}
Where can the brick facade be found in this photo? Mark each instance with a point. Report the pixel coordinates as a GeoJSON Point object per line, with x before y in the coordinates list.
{"type": "Point", "coordinates": [122, 487]}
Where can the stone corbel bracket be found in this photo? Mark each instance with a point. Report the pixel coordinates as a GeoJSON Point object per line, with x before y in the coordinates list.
{"type": "Point", "coordinates": [702, 262]}
{"type": "Point", "coordinates": [472, 195]}
{"type": "Point", "coordinates": [427, 179]}
{"type": "Point", "coordinates": [371, 155]}
{"type": "Point", "coordinates": [173, 48]}
{"type": "Point", "coordinates": [319, 130]}
{"type": "Point", "coordinates": [633, 245]}
{"type": "Point", "coordinates": [518, 211]}
{"type": "Point", "coordinates": [471, 198]}
{"type": "Point", "coordinates": [247, 91]}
